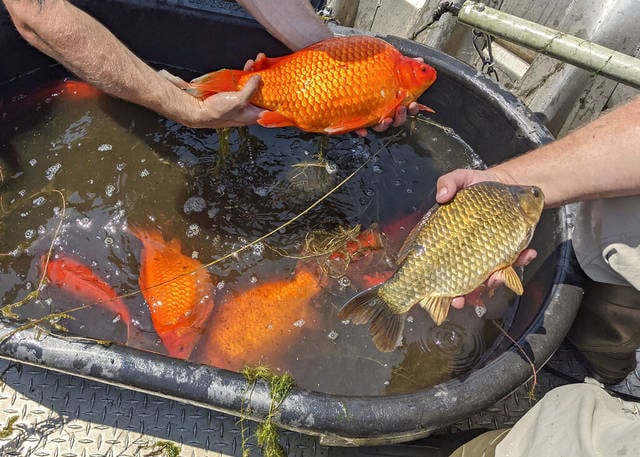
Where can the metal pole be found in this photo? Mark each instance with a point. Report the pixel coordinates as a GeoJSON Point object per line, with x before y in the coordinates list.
{"type": "Point", "coordinates": [568, 48]}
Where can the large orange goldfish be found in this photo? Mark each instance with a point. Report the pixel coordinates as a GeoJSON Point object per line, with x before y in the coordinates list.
{"type": "Point", "coordinates": [334, 86]}
{"type": "Point", "coordinates": [261, 322]}
{"type": "Point", "coordinates": [73, 276]}
{"type": "Point", "coordinates": [178, 291]}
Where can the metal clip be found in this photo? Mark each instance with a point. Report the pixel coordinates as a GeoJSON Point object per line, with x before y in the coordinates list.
{"type": "Point", "coordinates": [482, 41]}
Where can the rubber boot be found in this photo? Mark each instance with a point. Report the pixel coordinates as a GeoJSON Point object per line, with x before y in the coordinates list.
{"type": "Point", "coordinates": [606, 331]}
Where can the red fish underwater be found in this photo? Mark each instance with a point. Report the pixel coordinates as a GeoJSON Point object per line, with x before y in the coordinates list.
{"type": "Point", "coordinates": [78, 279]}
{"type": "Point", "coordinates": [178, 291]}
{"type": "Point", "coordinates": [333, 86]}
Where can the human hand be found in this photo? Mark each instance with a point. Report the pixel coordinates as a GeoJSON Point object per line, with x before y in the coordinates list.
{"type": "Point", "coordinates": [225, 109]}
{"type": "Point", "coordinates": [446, 188]}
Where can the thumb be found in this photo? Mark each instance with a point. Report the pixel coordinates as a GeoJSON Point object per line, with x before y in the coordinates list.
{"type": "Point", "coordinates": [449, 184]}
{"type": "Point", "coordinates": [250, 88]}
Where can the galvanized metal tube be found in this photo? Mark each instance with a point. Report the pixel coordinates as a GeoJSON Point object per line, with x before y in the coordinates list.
{"type": "Point", "coordinates": [568, 48]}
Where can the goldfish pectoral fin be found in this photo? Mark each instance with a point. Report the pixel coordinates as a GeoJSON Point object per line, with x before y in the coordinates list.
{"type": "Point", "coordinates": [512, 280]}
{"type": "Point", "coordinates": [212, 83]}
{"type": "Point", "coordinates": [422, 107]}
{"type": "Point", "coordinates": [347, 125]}
{"type": "Point", "coordinates": [437, 307]}
{"type": "Point", "coordinates": [367, 308]}
{"type": "Point", "coordinates": [273, 119]}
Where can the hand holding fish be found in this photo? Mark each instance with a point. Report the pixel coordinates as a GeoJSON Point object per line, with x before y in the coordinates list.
{"type": "Point", "coordinates": [447, 186]}
{"type": "Point", "coordinates": [225, 109]}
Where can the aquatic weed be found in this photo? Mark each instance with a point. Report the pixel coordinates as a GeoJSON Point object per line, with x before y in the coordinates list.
{"type": "Point", "coordinates": [267, 433]}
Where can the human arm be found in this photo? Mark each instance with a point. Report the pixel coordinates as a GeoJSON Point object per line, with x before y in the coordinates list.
{"type": "Point", "coordinates": [87, 49]}
{"type": "Point", "coordinates": [293, 22]}
{"type": "Point", "coordinates": [600, 160]}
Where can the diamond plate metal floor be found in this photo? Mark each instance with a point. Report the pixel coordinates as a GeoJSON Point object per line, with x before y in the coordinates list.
{"type": "Point", "coordinates": [65, 416]}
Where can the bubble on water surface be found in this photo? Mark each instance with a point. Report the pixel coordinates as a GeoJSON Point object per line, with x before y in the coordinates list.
{"type": "Point", "coordinates": [39, 201]}
{"type": "Point", "coordinates": [144, 173]}
{"type": "Point", "coordinates": [193, 230]}
{"type": "Point", "coordinates": [194, 205]}
{"type": "Point", "coordinates": [332, 335]}
{"type": "Point", "coordinates": [50, 172]}
{"type": "Point", "coordinates": [105, 147]}
{"type": "Point", "coordinates": [109, 190]}
{"type": "Point", "coordinates": [84, 223]}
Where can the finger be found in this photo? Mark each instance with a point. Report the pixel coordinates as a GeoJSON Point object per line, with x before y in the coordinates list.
{"type": "Point", "coordinates": [361, 132]}
{"type": "Point", "coordinates": [450, 183]}
{"type": "Point", "coordinates": [401, 116]}
{"type": "Point", "coordinates": [175, 80]}
{"type": "Point", "coordinates": [250, 88]}
{"type": "Point", "coordinates": [382, 125]}
{"type": "Point", "coordinates": [526, 257]}
{"type": "Point", "coordinates": [413, 108]}
{"type": "Point", "coordinates": [249, 65]}
{"type": "Point", "coordinates": [457, 302]}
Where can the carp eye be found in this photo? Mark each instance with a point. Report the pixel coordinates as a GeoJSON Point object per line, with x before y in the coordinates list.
{"type": "Point", "coordinates": [535, 192]}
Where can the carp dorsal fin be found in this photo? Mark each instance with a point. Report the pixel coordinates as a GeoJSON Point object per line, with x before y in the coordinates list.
{"type": "Point", "coordinates": [437, 307]}
{"type": "Point", "coordinates": [511, 279]}
{"type": "Point", "coordinates": [410, 241]}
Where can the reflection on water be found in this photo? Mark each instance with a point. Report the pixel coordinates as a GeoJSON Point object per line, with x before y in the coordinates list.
{"type": "Point", "coordinates": [120, 166]}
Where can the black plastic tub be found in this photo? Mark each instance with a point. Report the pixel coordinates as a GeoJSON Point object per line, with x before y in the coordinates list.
{"type": "Point", "coordinates": [195, 35]}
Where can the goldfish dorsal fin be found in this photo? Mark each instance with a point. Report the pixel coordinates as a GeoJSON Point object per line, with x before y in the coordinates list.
{"type": "Point", "coordinates": [437, 307]}
{"type": "Point", "coordinates": [512, 280]}
{"type": "Point", "coordinates": [410, 241]}
{"type": "Point", "coordinates": [274, 119]}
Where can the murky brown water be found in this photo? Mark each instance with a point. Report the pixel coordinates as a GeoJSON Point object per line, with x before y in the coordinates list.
{"type": "Point", "coordinates": [118, 165]}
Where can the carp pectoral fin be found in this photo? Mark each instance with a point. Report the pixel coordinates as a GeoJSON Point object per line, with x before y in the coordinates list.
{"type": "Point", "coordinates": [274, 119]}
{"type": "Point", "coordinates": [367, 308]}
{"type": "Point", "coordinates": [512, 280]}
{"type": "Point", "coordinates": [437, 307]}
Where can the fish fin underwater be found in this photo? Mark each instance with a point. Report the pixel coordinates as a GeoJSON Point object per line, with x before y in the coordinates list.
{"type": "Point", "coordinates": [512, 280]}
{"type": "Point", "coordinates": [437, 307]}
{"type": "Point", "coordinates": [225, 80]}
{"type": "Point", "coordinates": [368, 308]}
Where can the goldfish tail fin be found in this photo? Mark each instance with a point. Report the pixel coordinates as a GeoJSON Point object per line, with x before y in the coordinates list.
{"type": "Point", "coordinates": [224, 80]}
{"type": "Point", "coordinates": [368, 308]}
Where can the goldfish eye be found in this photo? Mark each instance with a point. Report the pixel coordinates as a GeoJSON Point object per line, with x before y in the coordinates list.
{"type": "Point", "coordinates": [423, 68]}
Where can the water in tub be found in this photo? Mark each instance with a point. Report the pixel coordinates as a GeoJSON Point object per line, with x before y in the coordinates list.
{"type": "Point", "coordinates": [88, 174]}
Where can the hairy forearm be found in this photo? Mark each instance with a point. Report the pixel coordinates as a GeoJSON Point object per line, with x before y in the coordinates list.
{"type": "Point", "coordinates": [94, 54]}
{"type": "Point", "coordinates": [293, 22]}
{"type": "Point", "coordinates": [599, 160]}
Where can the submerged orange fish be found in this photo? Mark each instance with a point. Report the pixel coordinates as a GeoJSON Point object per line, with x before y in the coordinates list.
{"type": "Point", "coordinates": [334, 86]}
{"type": "Point", "coordinates": [177, 290]}
{"type": "Point", "coordinates": [261, 322]}
{"type": "Point", "coordinates": [78, 279]}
